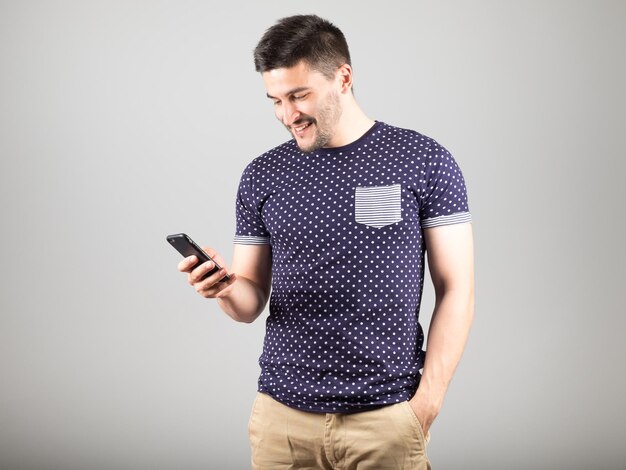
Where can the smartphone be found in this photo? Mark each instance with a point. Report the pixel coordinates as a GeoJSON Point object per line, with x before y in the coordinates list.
{"type": "Point", "coordinates": [187, 247]}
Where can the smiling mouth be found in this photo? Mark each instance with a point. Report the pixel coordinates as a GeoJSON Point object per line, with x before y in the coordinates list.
{"type": "Point", "coordinates": [299, 130]}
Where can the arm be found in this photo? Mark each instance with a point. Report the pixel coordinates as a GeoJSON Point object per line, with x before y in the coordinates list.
{"type": "Point", "coordinates": [451, 264]}
{"type": "Point", "coordinates": [244, 297]}
{"type": "Point", "coordinates": [247, 298]}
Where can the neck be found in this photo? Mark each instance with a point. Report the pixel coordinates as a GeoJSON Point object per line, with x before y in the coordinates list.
{"type": "Point", "coordinates": [352, 124]}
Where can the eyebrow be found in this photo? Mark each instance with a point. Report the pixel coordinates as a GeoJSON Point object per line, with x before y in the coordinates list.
{"type": "Point", "coordinates": [290, 92]}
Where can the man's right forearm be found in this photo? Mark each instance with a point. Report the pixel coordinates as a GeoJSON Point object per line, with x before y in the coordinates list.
{"type": "Point", "coordinates": [244, 302]}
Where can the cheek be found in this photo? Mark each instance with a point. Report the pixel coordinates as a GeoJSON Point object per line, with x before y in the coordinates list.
{"type": "Point", "coordinates": [308, 108]}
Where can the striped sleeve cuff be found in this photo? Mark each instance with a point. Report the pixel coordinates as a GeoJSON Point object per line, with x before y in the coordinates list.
{"type": "Point", "coordinates": [458, 218]}
{"type": "Point", "coordinates": [250, 240]}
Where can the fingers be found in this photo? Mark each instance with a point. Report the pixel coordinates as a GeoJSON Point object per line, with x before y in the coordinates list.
{"type": "Point", "coordinates": [187, 264]}
{"type": "Point", "coordinates": [212, 287]}
{"type": "Point", "coordinates": [197, 273]}
{"type": "Point", "coordinates": [209, 286]}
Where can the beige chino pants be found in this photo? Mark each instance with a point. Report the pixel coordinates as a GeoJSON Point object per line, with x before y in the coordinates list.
{"type": "Point", "coordinates": [285, 438]}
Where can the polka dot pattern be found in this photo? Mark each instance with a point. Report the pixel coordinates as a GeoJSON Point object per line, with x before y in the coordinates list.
{"type": "Point", "coordinates": [343, 333]}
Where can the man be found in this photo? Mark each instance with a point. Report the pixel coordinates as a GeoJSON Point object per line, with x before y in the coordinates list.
{"type": "Point", "coordinates": [337, 221]}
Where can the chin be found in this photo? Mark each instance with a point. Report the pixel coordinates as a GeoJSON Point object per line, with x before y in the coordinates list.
{"type": "Point", "coordinates": [307, 149]}
{"type": "Point", "coordinates": [310, 147]}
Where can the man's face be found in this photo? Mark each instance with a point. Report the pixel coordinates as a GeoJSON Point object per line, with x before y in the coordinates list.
{"type": "Point", "coordinates": [307, 103]}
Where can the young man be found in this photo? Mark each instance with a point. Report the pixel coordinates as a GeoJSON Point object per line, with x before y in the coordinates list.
{"type": "Point", "coordinates": [337, 221]}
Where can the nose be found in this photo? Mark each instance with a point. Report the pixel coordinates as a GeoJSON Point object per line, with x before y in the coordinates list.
{"type": "Point", "coordinates": [289, 113]}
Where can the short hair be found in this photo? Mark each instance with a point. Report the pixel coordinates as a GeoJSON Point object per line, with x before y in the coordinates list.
{"type": "Point", "coordinates": [307, 38]}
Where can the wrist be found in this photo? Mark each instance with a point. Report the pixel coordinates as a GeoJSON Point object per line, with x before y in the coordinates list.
{"type": "Point", "coordinates": [430, 395]}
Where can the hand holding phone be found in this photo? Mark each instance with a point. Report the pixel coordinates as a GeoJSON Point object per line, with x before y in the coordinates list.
{"type": "Point", "coordinates": [187, 247]}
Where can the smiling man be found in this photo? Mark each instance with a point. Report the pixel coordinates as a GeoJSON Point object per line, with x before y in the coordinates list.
{"type": "Point", "coordinates": [337, 223]}
{"type": "Point", "coordinates": [319, 111]}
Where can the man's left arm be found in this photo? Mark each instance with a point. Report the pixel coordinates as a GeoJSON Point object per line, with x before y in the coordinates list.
{"type": "Point", "coordinates": [451, 263]}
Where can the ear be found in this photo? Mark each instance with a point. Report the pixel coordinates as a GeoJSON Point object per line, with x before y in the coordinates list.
{"type": "Point", "coordinates": [344, 77]}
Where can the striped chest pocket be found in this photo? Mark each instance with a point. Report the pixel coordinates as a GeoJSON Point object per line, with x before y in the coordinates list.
{"type": "Point", "coordinates": [378, 206]}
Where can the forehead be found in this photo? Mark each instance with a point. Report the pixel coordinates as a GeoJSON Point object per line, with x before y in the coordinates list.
{"type": "Point", "coordinates": [282, 80]}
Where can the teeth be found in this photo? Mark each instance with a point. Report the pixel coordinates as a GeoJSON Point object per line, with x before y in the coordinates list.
{"type": "Point", "coordinates": [298, 129]}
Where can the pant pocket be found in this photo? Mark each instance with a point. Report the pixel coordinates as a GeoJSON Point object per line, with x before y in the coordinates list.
{"type": "Point", "coordinates": [251, 420]}
{"type": "Point", "coordinates": [378, 206]}
{"type": "Point", "coordinates": [418, 427]}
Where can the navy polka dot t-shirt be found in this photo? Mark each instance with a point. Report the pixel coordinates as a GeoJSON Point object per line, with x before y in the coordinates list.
{"type": "Point", "coordinates": [345, 228]}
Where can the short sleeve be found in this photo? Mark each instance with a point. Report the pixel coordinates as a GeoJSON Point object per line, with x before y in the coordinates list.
{"type": "Point", "coordinates": [250, 227]}
{"type": "Point", "coordinates": [443, 198]}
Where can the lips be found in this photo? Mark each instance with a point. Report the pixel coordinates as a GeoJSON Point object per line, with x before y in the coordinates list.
{"type": "Point", "coordinates": [300, 129]}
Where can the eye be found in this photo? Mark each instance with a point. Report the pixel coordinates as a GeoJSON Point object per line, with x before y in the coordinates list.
{"type": "Point", "coordinates": [300, 97]}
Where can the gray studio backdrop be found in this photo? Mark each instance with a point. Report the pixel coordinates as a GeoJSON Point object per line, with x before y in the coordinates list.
{"type": "Point", "coordinates": [121, 122]}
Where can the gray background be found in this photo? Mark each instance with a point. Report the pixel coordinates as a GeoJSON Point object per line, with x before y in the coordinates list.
{"type": "Point", "coordinates": [121, 122]}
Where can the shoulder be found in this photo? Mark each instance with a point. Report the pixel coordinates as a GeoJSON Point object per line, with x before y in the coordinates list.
{"type": "Point", "coordinates": [275, 155]}
{"type": "Point", "coordinates": [410, 137]}
{"type": "Point", "coordinates": [266, 168]}
{"type": "Point", "coordinates": [411, 141]}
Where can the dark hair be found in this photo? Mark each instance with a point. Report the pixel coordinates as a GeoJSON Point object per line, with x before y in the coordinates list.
{"type": "Point", "coordinates": [310, 38]}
